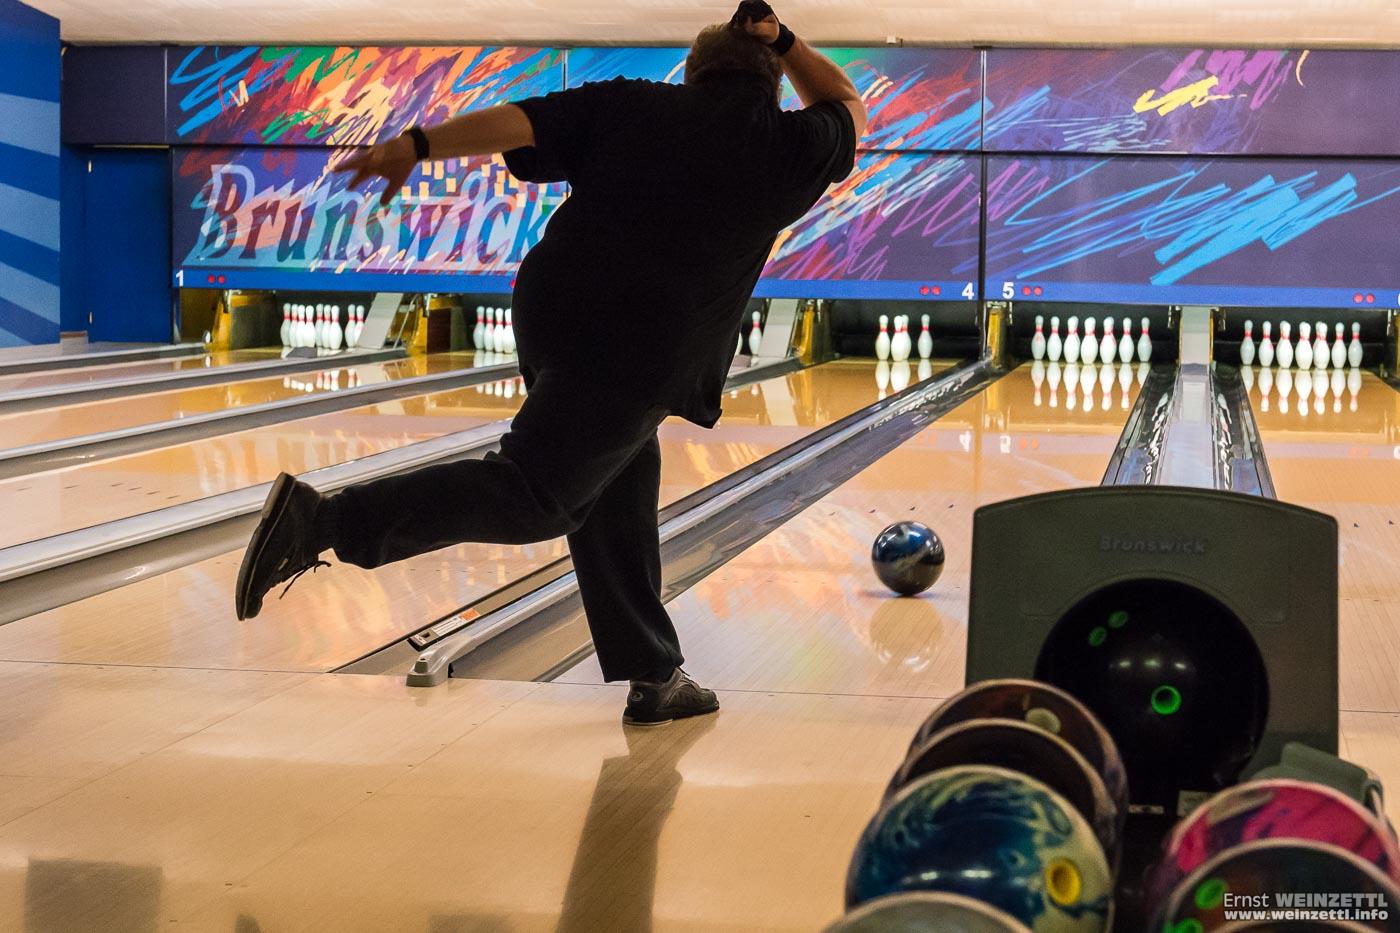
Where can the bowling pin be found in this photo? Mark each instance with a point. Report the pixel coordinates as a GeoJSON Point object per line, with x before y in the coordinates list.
{"type": "Point", "coordinates": [1321, 352]}
{"type": "Point", "coordinates": [1247, 345]}
{"type": "Point", "coordinates": [498, 341]}
{"type": "Point", "coordinates": [756, 335]}
{"type": "Point", "coordinates": [1285, 346]}
{"type": "Point", "coordinates": [1108, 346]}
{"type": "Point", "coordinates": [1125, 342]}
{"type": "Point", "coordinates": [1089, 346]}
{"type": "Point", "coordinates": [1054, 347]}
{"type": "Point", "coordinates": [1304, 356]}
{"type": "Point", "coordinates": [479, 331]}
{"type": "Point", "coordinates": [1339, 349]}
{"type": "Point", "coordinates": [1247, 374]}
{"type": "Point", "coordinates": [739, 345]}
{"type": "Point", "coordinates": [510, 332]}
{"type": "Point", "coordinates": [1354, 349]}
{"type": "Point", "coordinates": [1266, 346]}
{"type": "Point", "coordinates": [882, 339]}
{"type": "Point", "coordinates": [1144, 347]}
{"type": "Point", "coordinates": [308, 327]}
{"type": "Point", "coordinates": [359, 323]}
{"type": "Point", "coordinates": [284, 333]}
{"type": "Point", "coordinates": [901, 344]}
{"type": "Point", "coordinates": [1072, 342]}
{"type": "Point", "coordinates": [337, 333]}
{"type": "Point", "coordinates": [1037, 341]}
{"type": "Point", "coordinates": [926, 343]}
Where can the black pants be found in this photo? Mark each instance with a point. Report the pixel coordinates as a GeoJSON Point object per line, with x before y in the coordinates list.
{"type": "Point", "coordinates": [579, 460]}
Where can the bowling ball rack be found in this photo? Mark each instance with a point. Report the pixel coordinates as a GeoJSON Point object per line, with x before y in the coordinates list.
{"type": "Point", "coordinates": [1199, 625]}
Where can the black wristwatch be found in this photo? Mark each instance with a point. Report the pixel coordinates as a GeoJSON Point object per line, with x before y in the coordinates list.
{"type": "Point", "coordinates": [420, 142]}
{"type": "Point", "coordinates": [783, 44]}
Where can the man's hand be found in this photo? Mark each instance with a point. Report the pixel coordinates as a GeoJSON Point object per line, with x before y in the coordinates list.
{"type": "Point", "coordinates": [757, 19]}
{"type": "Point", "coordinates": [393, 161]}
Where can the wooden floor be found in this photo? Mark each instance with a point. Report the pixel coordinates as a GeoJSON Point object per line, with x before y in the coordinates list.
{"type": "Point", "coordinates": [68, 421]}
{"type": "Point", "coordinates": [57, 501]}
{"type": "Point", "coordinates": [82, 375]}
{"type": "Point", "coordinates": [1339, 453]}
{"type": "Point", "coordinates": [162, 767]}
{"type": "Point", "coordinates": [185, 618]}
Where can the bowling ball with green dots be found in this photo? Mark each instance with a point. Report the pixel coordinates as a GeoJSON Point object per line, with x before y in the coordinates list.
{"type": "Point", "coordinates": [1173, 675]}
{"type": "Point", "coordinates": [907, 557]}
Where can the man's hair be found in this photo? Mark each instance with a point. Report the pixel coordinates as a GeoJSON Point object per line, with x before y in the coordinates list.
{"type": "Point", "coordinates": [720, 48]}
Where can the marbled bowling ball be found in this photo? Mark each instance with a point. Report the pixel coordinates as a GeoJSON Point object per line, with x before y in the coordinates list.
{"type": "Point", "coordinates": [992, 835]}
{"type": "Point", "coordinates": [926, 912]}
{"type": "Point", "coordinates": [908, 557]}
{"type": "Point", "coordinates": [1175, 678]}
{"type": "Point", "coordinates": [1277, 808]}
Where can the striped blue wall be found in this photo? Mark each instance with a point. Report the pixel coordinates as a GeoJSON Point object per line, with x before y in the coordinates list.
{"type": "Point", "coordinates": [29, 176]}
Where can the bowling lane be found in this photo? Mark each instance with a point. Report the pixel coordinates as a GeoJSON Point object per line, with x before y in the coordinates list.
{"type": "Point", "coordinates": [57, 501]}
{"type": "Point", "coordinates": [146, 368]}
{"type": "Point", "coordinates": [68, 421]}
{"type": "Point", "coordinates": [802, 611]}
{"type": "Point", "coordinates": [185, 618]}
{"type": "Point", "coordinates": [1339, 453]}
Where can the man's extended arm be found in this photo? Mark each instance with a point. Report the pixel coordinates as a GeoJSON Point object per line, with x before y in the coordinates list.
{"type": "Point", "coordinates": [495, 129]}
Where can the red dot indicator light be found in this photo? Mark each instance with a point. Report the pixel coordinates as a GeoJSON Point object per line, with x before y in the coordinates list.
{"type": "Point", "coordinates": [211, 280]}
{"type": "Point", "coordinates": [1025, 289]}
{"type": "Point", "coordinates": [1370, 299]}
{"type": "Point", "coordinates": [924, 290]}
{"type": "Point", "coordinates": [1356, 298]}
{"type": "Point", "coordinates": [937, 289]}
{"type": "Point", "coordinates": [221, 280]}
{"type": "Point", "coordinates": [1039, 290]}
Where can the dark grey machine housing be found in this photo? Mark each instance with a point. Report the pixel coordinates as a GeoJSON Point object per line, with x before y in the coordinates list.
{"type": "Point", "coordinates": [1273, 565]}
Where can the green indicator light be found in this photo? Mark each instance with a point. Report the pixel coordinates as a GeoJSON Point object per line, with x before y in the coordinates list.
{"type": "Point", "coordinates": [1211, 893]}
{"type": "Point", "coordinates": [1166, 700]}
{"type": "Point", "coordinates": [1118, 619]}
{"type": "Point", "coordinates": [1191, 925]}
{"type": "Point", "coordinates": [1098, 636]}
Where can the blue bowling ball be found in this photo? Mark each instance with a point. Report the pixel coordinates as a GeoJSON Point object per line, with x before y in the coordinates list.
{"type": "Point", "coordinates": [908, 557]}
{"type": "Point", "coordinates": [992, 835]}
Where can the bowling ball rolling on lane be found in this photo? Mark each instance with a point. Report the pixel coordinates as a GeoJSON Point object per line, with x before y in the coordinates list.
{"type": "Point", "coordinates": [1025, 749]}
{"type": "Point", "coordinates": [995, 836]}
{"type": "Point", "coordinates": [907, 557]}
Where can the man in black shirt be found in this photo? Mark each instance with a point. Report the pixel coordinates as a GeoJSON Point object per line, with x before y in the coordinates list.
{"type": "Point", "coordinates": [626, 311]}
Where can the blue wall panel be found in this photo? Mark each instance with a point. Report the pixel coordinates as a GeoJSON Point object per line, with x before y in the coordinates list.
{"type": "Point", "coordinates": [29, 176]}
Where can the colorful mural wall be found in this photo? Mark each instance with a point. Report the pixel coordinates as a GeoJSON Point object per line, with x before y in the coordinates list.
{"type": "Point", "coordinates": [1136, 175]}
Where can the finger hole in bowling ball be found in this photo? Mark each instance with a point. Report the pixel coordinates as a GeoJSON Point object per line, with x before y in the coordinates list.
{"type": "Point", "coordinates": [1173, 675]}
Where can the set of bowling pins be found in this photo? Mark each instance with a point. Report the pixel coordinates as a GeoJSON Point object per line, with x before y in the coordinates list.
{"type": "Point", "coordinates": [494, 330]}
{"type": "Point", "coordinates": [1087, 379]}
{"type": "Point", "coordinates": [1090, 348]}
{"type": "Point", "coordinates": [1312, 352]}
{"type": "Point", "coordinates": [319, 326]}
{"type": "Point", "coordinates": [755, 337]}
{"type": "Point", "coordinates": [1315, 383]}
{"type": "Point", "coordinates": [899, 346]}
{"type": "Point", "coordinates": [895, 376]}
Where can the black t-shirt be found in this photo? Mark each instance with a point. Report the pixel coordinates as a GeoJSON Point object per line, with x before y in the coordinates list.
{"type": "Point", "coordinates": [677, 194]}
